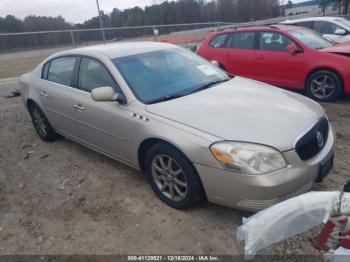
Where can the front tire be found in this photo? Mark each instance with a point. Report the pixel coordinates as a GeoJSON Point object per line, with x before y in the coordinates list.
{"type": "Point", "coordinates": [324, 86]}
{"type": "Point", "coordinates": [172, 177]}
{"type": "Point", "coordinates": [41, 124]}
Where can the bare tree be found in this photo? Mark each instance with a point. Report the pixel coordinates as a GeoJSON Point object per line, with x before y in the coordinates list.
{"type": "Point", "coordinates": [323, 6]}
{"type": "Point", "coordinates": [346, 6]}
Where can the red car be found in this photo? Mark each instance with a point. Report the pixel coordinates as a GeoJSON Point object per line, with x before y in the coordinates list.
{"type": "Point", "coordinates": [285, 56]}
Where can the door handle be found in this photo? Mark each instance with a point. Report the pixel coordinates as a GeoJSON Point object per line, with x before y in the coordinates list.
{"type": "Point", "coordinates": [226, 54]}
{"type": "Point", "coordinates": [79, 107]}
{"type": "Point", "coordinates": [260, 57]}
{"type": "Point", "coordinates": [44, 94]}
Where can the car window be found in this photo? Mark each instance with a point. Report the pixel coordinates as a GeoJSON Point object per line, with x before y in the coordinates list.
{"type": "Point", "coordinates": [61, 70]}
{"type": "Point", "coordinates": [218, 41]}
{"type": "Point", "coordinates": [273, 41]}
{"type": "Point", "coordinates": [93, 74]}
{"type": "Point", "coordinates": [308, 24]}
{"type": "Point", "coordinates": [343, 21]}
{"type": "Point", "coordinates": [326, 27]}
{"type": "Point", "coordinates": [241, 40]}
{"type": "Point", "coordinates": [167, 73]}
{"type": "Point", "coordinates": [45, 71]}
{"type": "Point", "coordinates": [311, 38]}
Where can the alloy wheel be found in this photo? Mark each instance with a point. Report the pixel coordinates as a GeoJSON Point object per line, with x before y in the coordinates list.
{"type": "Point", "coordinates": [39, 122]}
{"type": "Point", "coordinates": [169, 178]}
{"type": "Point", "coordinates": [323, 86]}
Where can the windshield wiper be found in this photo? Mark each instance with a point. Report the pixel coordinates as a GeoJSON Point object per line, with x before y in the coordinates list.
{"type": "Point", "coordinates": [167, 98]}
{"type": "Point", "coordinates": [208, 85]}
{"type": "Point", "coordinates": [170, 97]}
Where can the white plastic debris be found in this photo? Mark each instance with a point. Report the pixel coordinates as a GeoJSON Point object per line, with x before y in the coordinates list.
{"type": "Point", "coordinates": [289, 218]}
{"type": "Point", "coordinates": [60, 187]}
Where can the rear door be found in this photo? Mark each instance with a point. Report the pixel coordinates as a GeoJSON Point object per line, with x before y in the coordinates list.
{"type": "Point", "coordinates": [276, 66]}
{"type": "Point", "coordinates": [57, 94]}
{"type": "Point", "coordinates": [104, 126]}
{"type": "Point", "coordinates": [215, 49]}
{"type": "Point", "coordinates": [239, 54]}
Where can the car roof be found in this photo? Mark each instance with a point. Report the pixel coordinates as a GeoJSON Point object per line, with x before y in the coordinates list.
{"type": "Point", "coordinates": [320, 18]}
{"type": "Point", "coordinates": [122, 49]}
{"type": "Point", "coordinates": [262, 28]}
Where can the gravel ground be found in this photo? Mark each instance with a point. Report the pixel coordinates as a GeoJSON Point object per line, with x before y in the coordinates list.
{"type": "Point", "coordinates": [106, 207]}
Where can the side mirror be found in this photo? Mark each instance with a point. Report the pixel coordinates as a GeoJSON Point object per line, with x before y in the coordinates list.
{"type": "Point", "coordinates": [293, 49]}
{"type": "Point", "coordinates": [104, 94]}
{"type": "Point", "coordinates": [215, 63]}
{"type": "Point", "coordinates": [340, 31]}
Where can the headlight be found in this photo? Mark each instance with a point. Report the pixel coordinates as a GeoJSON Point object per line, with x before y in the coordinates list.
{"type": "Point", "coordinates": [247, 158]}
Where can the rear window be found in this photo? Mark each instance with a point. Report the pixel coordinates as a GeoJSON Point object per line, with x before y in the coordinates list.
{"type": "Point", "coordinates": [218, 41]}
{"type": "Point", "coordinates": [61, 70]}
{"type": "Point", "coordinates": [45, 71]}
{"type": "Point", "coordinates": [241, 40]}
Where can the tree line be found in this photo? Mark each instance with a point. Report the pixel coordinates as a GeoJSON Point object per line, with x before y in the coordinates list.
{"type": "Point", "coordinates": [168, 12]}
{"type": "Point", "coordinates": [341, 5]}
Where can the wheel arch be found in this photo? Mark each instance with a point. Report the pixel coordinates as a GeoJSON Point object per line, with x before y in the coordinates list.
{"type": "Point", "coordinates": [324, 68]}
{"type": "Point", "coordinates": [30, 102]}
{"type": "Point", "coordinates": [147, 144]}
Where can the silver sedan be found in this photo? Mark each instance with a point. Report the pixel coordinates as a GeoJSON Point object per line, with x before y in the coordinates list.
{"type": "Point", "coordinates": [195, 133]}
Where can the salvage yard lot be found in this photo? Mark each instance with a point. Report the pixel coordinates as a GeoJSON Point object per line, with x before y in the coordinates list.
{"type": "Point", "coordinates": [105, 207]}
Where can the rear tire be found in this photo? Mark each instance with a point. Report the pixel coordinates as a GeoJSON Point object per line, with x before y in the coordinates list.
{"type": "Point", "coordinates": [324, 86]}
{"type": "Point", "coordinates": [172, 177]}
{"type": "Point", "coordinates": [41, 124]}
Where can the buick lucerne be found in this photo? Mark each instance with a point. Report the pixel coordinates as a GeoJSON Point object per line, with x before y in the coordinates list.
{"type": "Point", "coordinates": [194, 132]}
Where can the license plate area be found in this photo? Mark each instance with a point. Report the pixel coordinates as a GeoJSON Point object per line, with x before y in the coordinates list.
{"type": "Point", "coordinates": [325, 168]}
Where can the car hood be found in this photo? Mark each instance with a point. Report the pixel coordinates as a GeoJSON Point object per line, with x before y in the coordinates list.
{"type": "Point", "coordinates": [342, 49]}
{"type": "Point", "coordinates": [244, 110]}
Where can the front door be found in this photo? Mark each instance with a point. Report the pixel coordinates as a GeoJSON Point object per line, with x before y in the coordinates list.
{"type": "Point", "coordinates": [103, 126]}
{"type": "Point", "coordinates": [276, 66]}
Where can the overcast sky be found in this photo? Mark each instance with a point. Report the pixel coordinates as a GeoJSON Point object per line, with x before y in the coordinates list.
{"type": "Point", "coordinates": [74, 11]}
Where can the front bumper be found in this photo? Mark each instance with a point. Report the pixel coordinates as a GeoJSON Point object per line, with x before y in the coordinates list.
{"type": "Point", "coordinates": [256, 192]}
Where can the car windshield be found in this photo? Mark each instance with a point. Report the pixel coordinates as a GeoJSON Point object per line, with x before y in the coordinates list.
{"type": "Point", "coordinates": [311, 38]}
{"type": "Point", "coordinates": [167, 74]}
{"type": "Point", "coordinates": [343, 22]}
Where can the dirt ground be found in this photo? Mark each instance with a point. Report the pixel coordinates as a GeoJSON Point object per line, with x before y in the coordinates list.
{"type": "Point", "coordinates": [105, 207]}
{"type": "Point", "coordinates": [17, 63]}
{"type": "Point", "coordinates": [21, 67]}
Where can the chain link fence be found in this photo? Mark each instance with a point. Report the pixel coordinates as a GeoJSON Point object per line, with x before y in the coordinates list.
{"type": "Point", "coordinates": [21, 52]}
{"type": "Point", "coordinates": [12, 42]}
{"type": "Point", "coordinates": [175, 33]}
